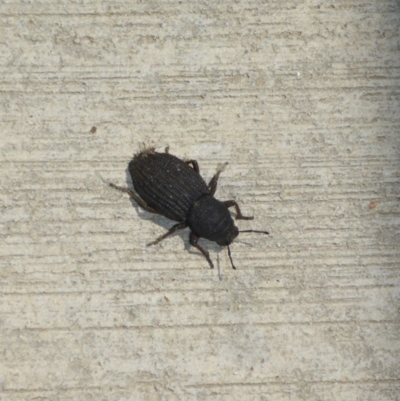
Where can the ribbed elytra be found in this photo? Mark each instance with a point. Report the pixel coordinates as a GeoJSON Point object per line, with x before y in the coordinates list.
{"type": "Point", "coordinates": [174, 188]}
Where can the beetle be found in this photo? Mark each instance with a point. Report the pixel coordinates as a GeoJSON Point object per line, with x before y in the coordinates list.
{"type": "Point", "coordinates": [174, 188]}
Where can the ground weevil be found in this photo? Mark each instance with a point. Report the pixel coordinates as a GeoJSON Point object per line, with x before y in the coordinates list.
{"type": "Point", "coordinates": [168, 186]}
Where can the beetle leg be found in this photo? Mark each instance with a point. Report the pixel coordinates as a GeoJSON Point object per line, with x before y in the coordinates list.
{"type": "Point", "coordinates": [214, 181]}
{"type": "Point", "coordinates": [194, 164]}
{"type": "Point", "coordinates": [174, 228]}
{"type": "Point", "coordinates": [139, 201]}
{"type": "Point", "coordinates": [239, 215]}
{"type": "Point", "coordinates": [193, 239]}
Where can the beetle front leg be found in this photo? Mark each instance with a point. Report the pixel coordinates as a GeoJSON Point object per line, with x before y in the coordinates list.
{"type": "Point", "coordinates": [214, 181]}
{"type": "Point", "coordinates": [239, 215]}
{"type": "Point", "coordinates": [139, 201]}
{"type": "Point", "coordinates": [174, 228]}
{"type": "Point", "coordinates": [193, 239]}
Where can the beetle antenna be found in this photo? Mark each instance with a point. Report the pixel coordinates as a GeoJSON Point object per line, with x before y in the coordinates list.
{"type": "Point", "coordinates": [230, 257]}
{"type": "Point", "coordinates": [254, 231]}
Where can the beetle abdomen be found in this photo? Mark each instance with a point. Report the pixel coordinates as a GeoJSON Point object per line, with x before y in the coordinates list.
{"type": "Point", "coordinates": [166, 183]}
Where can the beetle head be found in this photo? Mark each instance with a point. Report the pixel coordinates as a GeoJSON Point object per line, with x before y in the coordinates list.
{"type": "Point", "coordinates": [209, 218]}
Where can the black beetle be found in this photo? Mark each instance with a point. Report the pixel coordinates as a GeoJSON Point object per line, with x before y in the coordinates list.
{"type": "Point", "coordinates": [168, 186]}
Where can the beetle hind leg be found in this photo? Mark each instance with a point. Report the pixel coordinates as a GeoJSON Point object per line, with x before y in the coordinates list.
{"type": "Point", "coordinates": [194, 164]}
{"type": "Point", "coordinates": [193, 239]}
{"type": "Point", "coordinates": [139, 201]}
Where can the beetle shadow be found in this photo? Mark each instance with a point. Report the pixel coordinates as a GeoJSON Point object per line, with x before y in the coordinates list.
{"type": "Point", "coordinates": [240, 241]}
{"type": "Point", "coordinates": [213, 248]}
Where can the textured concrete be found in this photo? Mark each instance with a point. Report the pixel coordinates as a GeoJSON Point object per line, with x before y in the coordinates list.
{"type": "Point", "coordinates": [302, 98]}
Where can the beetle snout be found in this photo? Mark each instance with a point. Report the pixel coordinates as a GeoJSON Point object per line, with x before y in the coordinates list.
{"type": "Point", "coordinates": [229, 237]}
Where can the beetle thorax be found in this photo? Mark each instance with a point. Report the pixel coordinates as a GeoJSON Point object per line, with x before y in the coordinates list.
{"type": "Point", "coordinates": [209, 218]}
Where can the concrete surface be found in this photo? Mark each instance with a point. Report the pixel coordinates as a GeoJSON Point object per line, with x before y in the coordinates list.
{"type": "Point", "coordinates": [302, 98]}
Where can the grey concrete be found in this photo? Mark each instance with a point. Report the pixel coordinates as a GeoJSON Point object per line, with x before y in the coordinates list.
{"type": "Point", "coordinates": [302, 99]}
